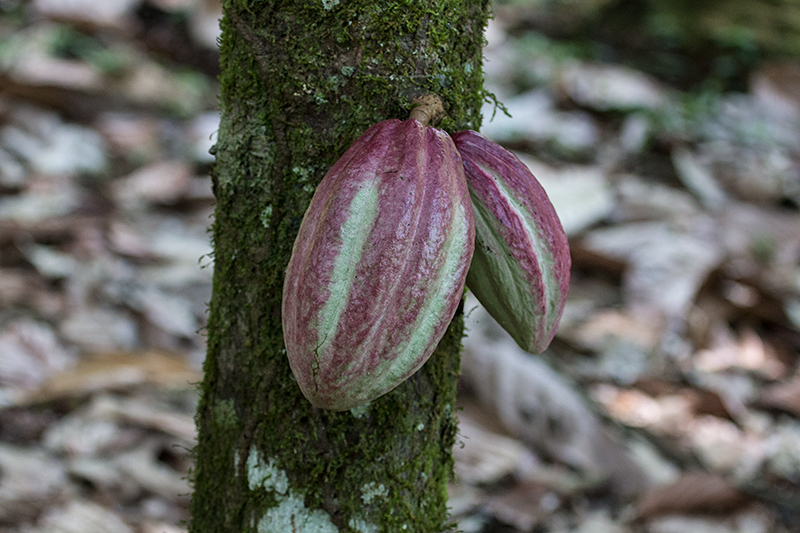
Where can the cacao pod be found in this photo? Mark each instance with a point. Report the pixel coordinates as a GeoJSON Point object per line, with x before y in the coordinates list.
{"type": "Point", "coordinates": [520, 270]}
{"type": "Point", "coordinates": [379, 264]}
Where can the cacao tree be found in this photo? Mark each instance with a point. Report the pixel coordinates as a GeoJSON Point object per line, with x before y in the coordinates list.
{"type": "Point", "coordinates": [300, 80]}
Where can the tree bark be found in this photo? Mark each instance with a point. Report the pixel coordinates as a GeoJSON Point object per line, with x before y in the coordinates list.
{"type": "Point", "coordinates": [300, 80]}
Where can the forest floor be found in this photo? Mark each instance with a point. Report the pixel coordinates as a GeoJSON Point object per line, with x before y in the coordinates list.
{"type": "Point", "coordinates": [669, 401]}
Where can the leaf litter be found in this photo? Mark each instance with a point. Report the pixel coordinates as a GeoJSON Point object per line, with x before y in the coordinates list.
{"type": "Point", "coordinates": [668, 402]}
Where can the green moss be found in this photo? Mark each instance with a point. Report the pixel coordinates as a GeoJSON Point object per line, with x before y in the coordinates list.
{"type": "Point", "coordinates": [225, 415]}
{"type": "Point", "coordinates": [299, 83]}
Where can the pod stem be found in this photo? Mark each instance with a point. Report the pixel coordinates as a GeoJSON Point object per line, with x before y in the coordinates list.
{"type": "Point", "coordinates": [428, 109]}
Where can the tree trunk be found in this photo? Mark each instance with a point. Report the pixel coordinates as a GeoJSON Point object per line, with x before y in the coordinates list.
{"type": "Point", "coordinates": [301, 79]}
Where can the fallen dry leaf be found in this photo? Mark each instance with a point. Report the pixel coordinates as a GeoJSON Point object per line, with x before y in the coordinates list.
{"type": "Point", "coordinates": [667, 262]}
{"type": "Point", "coordinates": [133, 136]}
{"type": "Point", "coordinates": [692, 493]}
{"type": "Point", "coordinates": [109, 14]}
{"type": "Point", "coordinates": [775, 85]}
{"type": "Point", "coordinates": [143, 467]}
{"type": "Point", "coordinates": [782, 396]}
{"type": "Point", "coordinates": [482, 456]}
{"type": "Point", "coordinates": [542, 409]}
{"type": "Point", "coordinates": [698, 178]}
{"type": "Point", "coordinates": [747, 352]}
{"type": "Point", "coordinates": [162, 527]}
{"type": "Point", "coordinates": [524, 505]}
{"type": "Point", "coordinates": [640, 330]}
{"type": "Point", "coordinates": [114, 370]}
{"type": "Point", "coordinates": [82, 517]}
{"type": "Point", "coordinates": [100, 329]}
{"type": "Point", "coordinates": [750, 521]}
{"type": "Point", "coordinates": [582, 195]}
{"type": "Point", "coordinates": [30, 479]}
{"type": "Point", "coordinates": [164, 182]}
{"type": "Point", "coordinates": [607, 87]}
{"type": "Point", "coordinates": [31, 354]}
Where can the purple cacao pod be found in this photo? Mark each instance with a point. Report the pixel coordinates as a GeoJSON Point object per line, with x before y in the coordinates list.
{"type": "Point", "coordinates": [379, 264]}
{"type": "Point", "coordinates": [520, 270]}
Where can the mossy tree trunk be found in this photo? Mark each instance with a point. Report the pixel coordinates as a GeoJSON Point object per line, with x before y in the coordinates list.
{"type": "Point", "coordinates": [301, 79]}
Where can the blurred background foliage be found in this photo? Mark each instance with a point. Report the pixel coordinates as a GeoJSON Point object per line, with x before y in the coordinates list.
{"type": "Point", "coordinates": [682, 41]}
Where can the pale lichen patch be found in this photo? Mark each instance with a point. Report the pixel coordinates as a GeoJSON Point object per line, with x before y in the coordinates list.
{"type": "Point", "coordinates": [266, 216]}
{"type": "Point", "coordinates": [303, 173]}
{"type": "Point", "coordinates": [266, 475]}
{"type": "Point", "coordinates": [329, 4]}
{"type": "Point", "coordinates": [291, 514]}
{"type": "Point", "coordinates": [362, 526]}
{"type": "Point", "coordinates": [372, 490]}
{"type": "Point", "coordinates": [360, 411]}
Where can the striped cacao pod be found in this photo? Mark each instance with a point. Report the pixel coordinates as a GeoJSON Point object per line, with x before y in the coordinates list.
{"type": "Point", "coordinates": [379, 264]}
{"type": "Point", "coordinates": [520, 270]}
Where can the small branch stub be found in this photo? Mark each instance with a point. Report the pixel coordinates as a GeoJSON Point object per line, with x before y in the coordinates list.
{"type": "Point", "coordinates": [428, 109]}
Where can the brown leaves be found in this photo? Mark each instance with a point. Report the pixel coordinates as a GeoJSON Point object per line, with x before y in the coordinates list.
{"type": "Point", "coordinates": [782, 396]}
{"type": "Point", "coordinates": [104, 205]}
{"type": "Point", "coordinates": [692, 493]}
{"type": "Point", "coordinates": [114, 371]}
